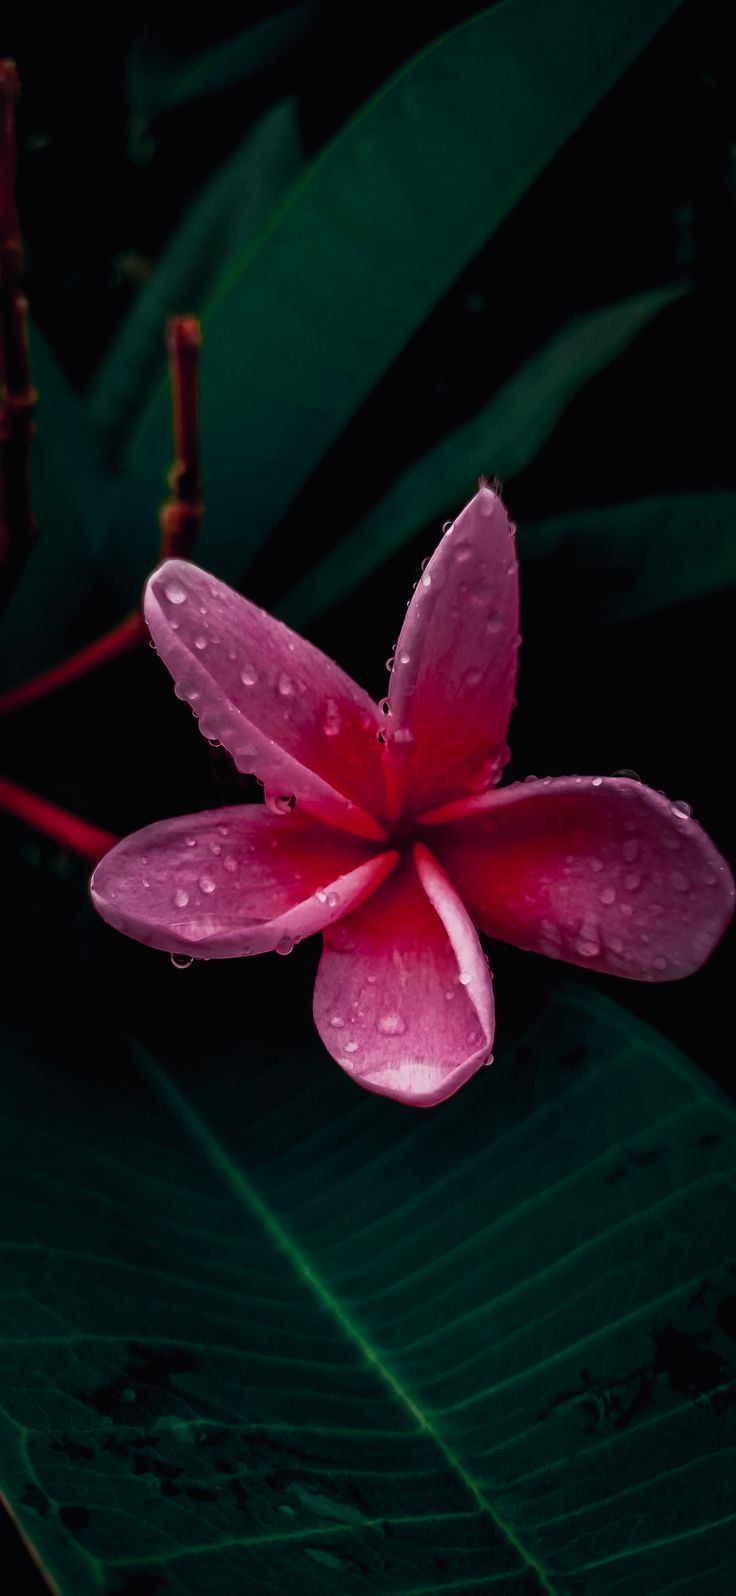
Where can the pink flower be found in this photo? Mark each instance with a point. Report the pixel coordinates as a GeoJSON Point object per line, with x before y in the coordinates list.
{"type": "Point", "coordinates": [383, 827]}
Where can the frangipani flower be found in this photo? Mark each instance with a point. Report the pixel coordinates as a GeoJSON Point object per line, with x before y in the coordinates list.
{"type": "Point", "coordinates": [384, 829]}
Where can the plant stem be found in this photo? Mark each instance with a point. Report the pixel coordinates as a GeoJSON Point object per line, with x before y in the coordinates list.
{"type": "Point", "coordinates": [121, 640]}
{"type": "Point", "coordinates": [180, 516]}
{"type": "Point", "coordinates": [18, 530]}
{"type": "Point", "coordinates": [75, 835]}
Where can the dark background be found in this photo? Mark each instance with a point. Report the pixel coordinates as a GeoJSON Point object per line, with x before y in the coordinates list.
{"type": "Point", "coordinates": [644, 194]}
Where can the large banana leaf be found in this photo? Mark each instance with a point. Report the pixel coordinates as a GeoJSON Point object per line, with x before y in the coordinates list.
{"type": "Point", "coordinates": [498, 442]}
{"type": "Point", "coordinates": [311, 314]}
{"type": "Point", "coordinates": [265, 1333]}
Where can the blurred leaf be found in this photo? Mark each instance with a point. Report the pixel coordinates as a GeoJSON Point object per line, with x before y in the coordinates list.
{"type": "Point", "coordinates": [263, 1331]}
{"type": "Point", "coordinates": [221, 221]}
{"type": "Point", "coordinates": [158, 80]}
{"type": "Point", "coordinates": [498, 442]}
{"type": "Point", "coordinates": [308, 318]}
{"type": "Point", "coordinates": [71, 503]}
{"type": "Point", "coordinates": [644, 556]}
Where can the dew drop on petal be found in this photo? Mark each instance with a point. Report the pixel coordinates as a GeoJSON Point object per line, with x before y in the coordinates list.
{"type": "Point", "coordinates": [632, 881]}
{"type": "Point", "coordinates": [182, 961]}
{"type": "Point", "coordinates": [426, 580]}
{"type": "Point", "coordinates": [659, 963]}
{"type": "Point", "coordinates": [181, 898]}
{"type": "Point", "coordinates": [200, 643]}
{"type": "Point", "coordinates": [285, 685]}
{"type": "Point", "coordinates": [351, 1047]}
{"type": "Point", "coordinates": [608, 895]}
{"type": "Point", "coordinates": [464, 978]}
{"type": "Point", "coordinates": [207, 884]}
{"type": "Point", "coordinates": [337, 1022]}
{"type": "Point", "coordinates": [597, 781]}
{"type": "Point", "coordinates": [230, 863]}
{"type": "Point", "coordinates": [332, 900]}
{"type": "Point", "coordinates": [175, 592]}
{"type": "Point", "coordinates": [391, 1025]}
{"type": "Point", "coordinates": [681, 808]}
{"type": "Point", "coordinates": [191, 842]}
{"type": "Point", "coordinates": [249, 676]}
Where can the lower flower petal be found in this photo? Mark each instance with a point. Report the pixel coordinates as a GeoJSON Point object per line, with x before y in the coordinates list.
{"type": "Point", "coordinates": [599, 871]}
{"type": "Point", "coordinates": [403, 998]}
{"type": "Point", "coordinates": [234, 881]}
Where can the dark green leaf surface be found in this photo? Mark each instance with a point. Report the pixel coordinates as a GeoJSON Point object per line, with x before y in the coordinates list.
{"type": "Point", "coordinates": [229, 213]}
{"type": "Point", "coordinates": [158, 83]}
{"type": "Point", "coordinates": [498, 442]}
{"type": "Point", "coordinates": [644, 556]}
{"type": "Point", "coordinates": [71, 503]}
{"type": "Point", "coordinates": [265, 1333]}
{"type": "Point", "coordinates": [306, 320]}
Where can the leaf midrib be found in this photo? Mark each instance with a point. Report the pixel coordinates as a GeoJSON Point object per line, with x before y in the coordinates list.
{"type": "Point", "coordinates": [249, 1198]}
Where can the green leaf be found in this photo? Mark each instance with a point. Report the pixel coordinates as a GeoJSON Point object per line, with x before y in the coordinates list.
{"type": "Point", "coordinates": [309, 317]}
{"type": "Point", "coordinates": [643, 556]}
{"type": "Point", "coordinates": [498, 442]}
{"type": "Point", "coordinates": [70, 502]}
{"type": "Point", "coordinates": [264, 1332]}
{"type": "Point", "coordinates": [159, 81]}
{"type": "Point", "coordinates": [231, 210]}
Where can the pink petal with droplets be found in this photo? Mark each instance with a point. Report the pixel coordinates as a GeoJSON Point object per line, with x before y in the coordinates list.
{"type": "Point", "coordinates": [452, 685]}
{"type": "Point", "coordinates": [403, 998]}
{"type": "Point", "coordinates": [598, 871]}
{"type": "Point", "coordinates": [234, 881]}
{"type": "Point", "coordinates": [281, 708]}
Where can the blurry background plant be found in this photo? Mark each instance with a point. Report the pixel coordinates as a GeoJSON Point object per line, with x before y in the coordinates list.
{"type": "Point", "coordinates": [418, 255]}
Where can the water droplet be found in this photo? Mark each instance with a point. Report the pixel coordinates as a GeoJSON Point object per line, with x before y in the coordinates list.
{"type": "Point", "coordinates": [285, 685]}
{"type": "Point", "coordinates": [630, 775]}
{"type": "Point", "coordinates": [681, 808]}
{"type": "Point", "coordinates": [181, 961]}
{"type": "Point", "coordinates": [181, 898]}
{"type": "Point", "coordinates": [616, 945]}
{"type": "Point", "coordinates": [608, 895]}
{"type": "Point", "coordinates": [709, 878]}
{"type": "Point", "coordinates": [285, 945]}
{"type": "Point", "coordinates": [333, 900]}
{"type": "Point", "coordinates": [207, 884]}
{"type": "Point", "coordinates": [511, 569]}
{"type": "Point", "coordinates": [191, 842]}
{"type": "Point", "coordinates": [200, 643]}
{"type": "Point", "coordinates": [536, 778]}
{"type": "Point", "coordinates": [230, 863]}
{"type": "Point", "coordinates": [249, 676]}
{"type": "Point", "coordinates": [587, 949]}
{"type": "Point", "coordinates": [404, 659]}
{"type": "Point", "coordinates": [597, 781]}
{"type": "Point", "coordinates": [679, 881]}
{"type": "Point", "coordinates": [279, 803]}
{"type": "Point", "coordinates": [332, 721]}
{"type": "Point", "coordinates": [337, 1022]}
{"type": "Point", "coordinates": [403, 736]}
{"type": "Point", "coordinates": [351, 1047]}
{"type": "Point", "coordinates": [321, 896]}
{"type": "Point", "coordinates": [463, 554]}
{"type": "Point", "coordinates": [659, 963]}
{"type": "Point", "coordinates": [426, 580]}
{"type": "Point", "coordinates": [384, 706]}
{"type": "Point", "coordinates": [391, 1025]}
{"type": "Point", "coordinates": [632, 881]}
{"type": "Point", "coordinates": [175, 592]}
{"type": "Point", "coordinates": [464, 978]}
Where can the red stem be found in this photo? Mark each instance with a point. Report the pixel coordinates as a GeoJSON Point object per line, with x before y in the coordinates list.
{"type": "Point", "coordinates": [181, 515]}
{"type": "Point", "coordinates": [76, 835]}
{"type": "Point", "coordinates": [121, 640]}
{"type": "Point", "coordinates": [18, 530]}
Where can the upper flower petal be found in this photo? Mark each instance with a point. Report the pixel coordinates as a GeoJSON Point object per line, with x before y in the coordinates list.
{"type": "Point", "coordinates": [452, 685]}
{"type": "Point", "coordinates": [234, 881]}
{"type": "Point", "coordinates": [600, 871]}
{"type": "Point", "coordinates": [403, 998]}
{"type": "Point", "coordinates": [278, 704]}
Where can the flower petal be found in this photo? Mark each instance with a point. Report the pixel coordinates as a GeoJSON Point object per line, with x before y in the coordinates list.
{"type": "Point", "coordinates": [403, 998]}
{"type": "Point", "coordinates": [600, 871]}
{"type": "Point", "coordinates": [452, 685]}
{"type": "Point", "coordinates": [280, 706]}
{"type": "Point", "coordinates": [234, 881]}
